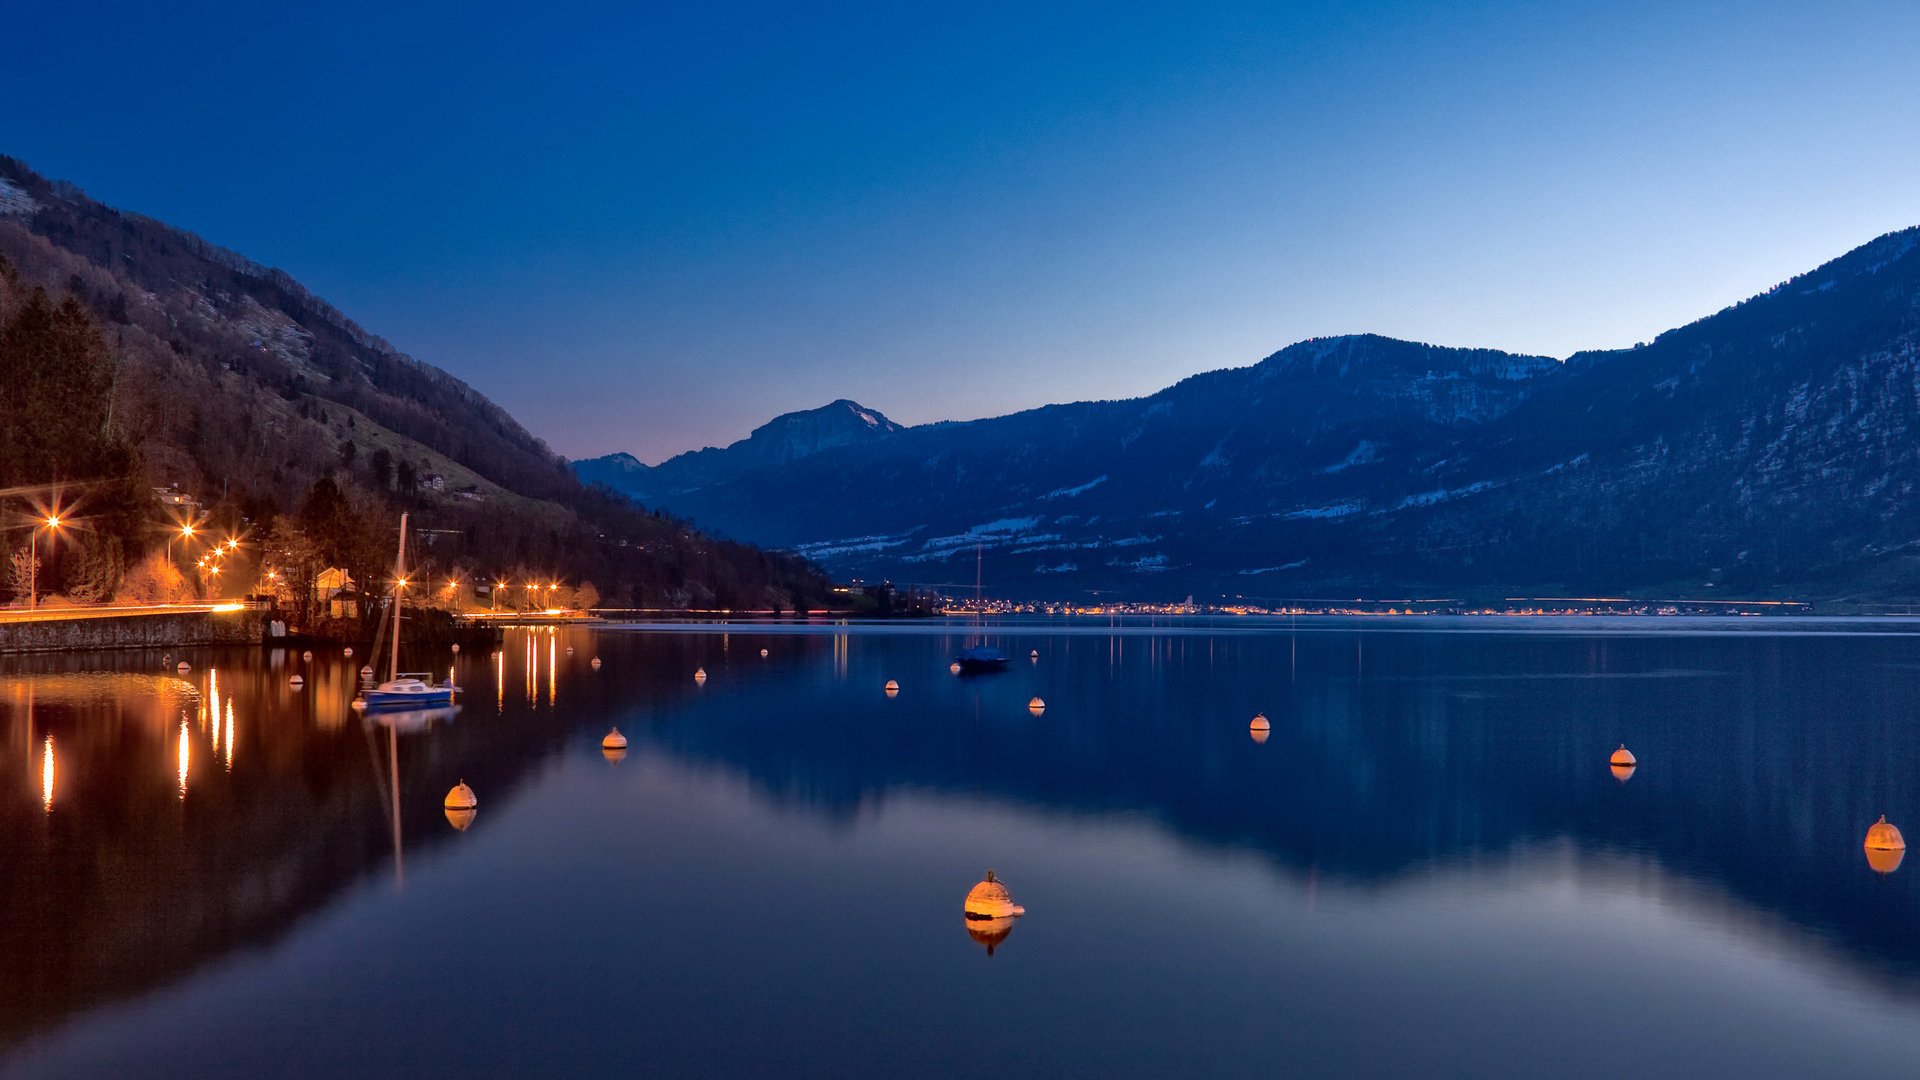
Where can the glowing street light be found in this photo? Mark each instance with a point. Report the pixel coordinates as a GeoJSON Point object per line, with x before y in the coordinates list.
{"type": "Point", "coordinates": [184, 532]}
{"type": "Point", "coordinates": [52, 524]}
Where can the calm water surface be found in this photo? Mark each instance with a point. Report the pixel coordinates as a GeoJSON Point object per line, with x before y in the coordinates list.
{"type": "Point", "coordinates": [1427, 869]}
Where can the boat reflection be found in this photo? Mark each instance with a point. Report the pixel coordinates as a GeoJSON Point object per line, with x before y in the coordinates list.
{"type": "Point", "coordinates": [412, 721]}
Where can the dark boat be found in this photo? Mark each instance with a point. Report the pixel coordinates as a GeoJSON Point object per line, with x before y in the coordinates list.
{"type": "Point", "coordinates": [982, 658]}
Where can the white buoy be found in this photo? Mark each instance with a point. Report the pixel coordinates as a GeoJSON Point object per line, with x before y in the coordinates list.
{"type": "Point", "coordinates": [462, 797]}
{"type": "Point", "coordinates": [569, 650]}
{"type": "Point", "coordinates": [699, 674]}
{"type": "Point", "coordinates": [954, 667]}
{"type": "Point", "coordinates": [296, 682]}
{"type": "Point", "coordinates": [892, 688]}
{"type": "Point", "coordinates": [347, 652]}
{"type": "Point", "coordinates": [367, 672]}
{"type": "Point", "coordinates": [596, 662]}
{"type": "Point", "coordinates": [308, 655]}
{"type": "Point", "coordinates": [184, 667]}
{"type": "Point", "coordinates": [763, 652]}
{"type": "Point", "coordinates": [456, 649]}
{"type": "Point", "coordinates": [1036, 706]}
{"type": "Point", "coordinates": [1034, 655]}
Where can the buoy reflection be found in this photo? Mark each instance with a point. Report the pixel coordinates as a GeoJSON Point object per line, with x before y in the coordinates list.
{"type": "Point", "coordinates": [990, 932]}
{"type": "Point", "coordinates": [46, 774]}
{"type": "Point", "coordinates": [1622, 773]}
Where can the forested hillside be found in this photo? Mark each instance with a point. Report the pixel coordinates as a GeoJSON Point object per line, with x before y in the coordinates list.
{"type": "Point", "coordinates": [139, 357]}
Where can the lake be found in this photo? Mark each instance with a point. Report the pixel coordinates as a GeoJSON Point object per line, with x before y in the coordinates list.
{"type": "Point", "coordinates": [1426, 868]}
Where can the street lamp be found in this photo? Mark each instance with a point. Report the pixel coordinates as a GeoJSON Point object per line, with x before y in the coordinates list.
{"type": "Point", "coordinates": [52, 523]}
{"type": "Point", "coordinates": [184, 532]}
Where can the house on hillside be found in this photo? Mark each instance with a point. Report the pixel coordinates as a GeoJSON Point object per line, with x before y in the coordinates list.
{"type": "Point", "coordinates": [336, 594]}
{"type": "Point", "coordinates": [171, 495]}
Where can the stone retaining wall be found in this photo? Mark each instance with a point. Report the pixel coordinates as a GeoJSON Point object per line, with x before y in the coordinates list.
{"type": "Point", "coordinates": [134, 632]}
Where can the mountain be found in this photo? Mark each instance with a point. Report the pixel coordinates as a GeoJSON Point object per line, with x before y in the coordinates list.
{"type": "Point", "coordinates": [780, 441]}
{"type": "Point", "coordinates": [235, 386]}
{"type": "Point", "coordinates": [1773, 445]}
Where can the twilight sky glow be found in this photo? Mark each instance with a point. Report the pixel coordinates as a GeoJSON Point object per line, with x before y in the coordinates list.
{"type": "Point", "coordinates": [652, 227]}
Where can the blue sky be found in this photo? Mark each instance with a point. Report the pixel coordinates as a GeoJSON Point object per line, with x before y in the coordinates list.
{"type": "Point", "coordinates": [652, 228]}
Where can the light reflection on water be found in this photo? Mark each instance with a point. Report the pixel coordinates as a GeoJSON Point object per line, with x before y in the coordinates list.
{"type": "Point", "coordinates": [1427, 864]}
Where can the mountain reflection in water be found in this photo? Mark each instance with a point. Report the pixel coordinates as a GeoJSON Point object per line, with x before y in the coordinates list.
{"type": "Point", "coordinates": [162, 826]}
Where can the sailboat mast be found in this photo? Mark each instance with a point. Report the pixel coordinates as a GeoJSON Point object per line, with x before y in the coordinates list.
{"type": "Point", "coordinates": [399, 586]}
{"type": "Point", "coordinates": [978, 604]}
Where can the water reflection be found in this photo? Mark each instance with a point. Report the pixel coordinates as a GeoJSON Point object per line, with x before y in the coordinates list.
{"type": "Point", "coordinates": [1441, 775]}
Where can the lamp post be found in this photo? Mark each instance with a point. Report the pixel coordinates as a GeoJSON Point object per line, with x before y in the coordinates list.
{"type": "Point", "coordinates": [498, 588]}
{"type": "Point", "coordinates": [52, 523]}
{"type": "Point", "coordinates": [184, 532]}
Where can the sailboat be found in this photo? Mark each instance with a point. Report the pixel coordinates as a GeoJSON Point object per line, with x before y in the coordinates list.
{"type": "Point", "coordinates": [983, 657]}
{"type": "Point", "coordinates": [404, 690]}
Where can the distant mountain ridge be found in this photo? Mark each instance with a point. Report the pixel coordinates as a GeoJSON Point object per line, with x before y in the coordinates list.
{"type": "Point", "coordinates": [784, 439]}
{"type": "Point", "coordinates": [1773, 445]}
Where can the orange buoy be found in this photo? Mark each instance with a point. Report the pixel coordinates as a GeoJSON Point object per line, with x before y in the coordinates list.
{"type": "Point", "coordinates": [1260, 723]}
{"type": "Point", "coordinates": [462, 798]}
{"type": "Point", "coordinates": [1886, 848]}
{"type": "Point", "coordinates": [699, 674]}
{"type": "Point", "coordinates": [1884, 837]}
{"type": "Point", "coordinates": [1623, 756]}
{"type": "Point", "coordinates": [991, 900]}
{"type": "Point", "coordinates": [954, 667]}
{"type": "Point", "coordinates": [296, 682]}
{"type": "Point", "coordinates": [614, 741]}
{"type": "Point", "coordinates": [1036, 706]}
{"type": "Point", "coordinates": [594, 663]}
